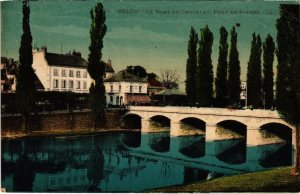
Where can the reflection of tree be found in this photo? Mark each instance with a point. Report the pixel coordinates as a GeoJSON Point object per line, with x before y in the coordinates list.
{"type": "Point", "coordinates": [24, 174]}
{"type": "Point", "coordinates": [95, 168]}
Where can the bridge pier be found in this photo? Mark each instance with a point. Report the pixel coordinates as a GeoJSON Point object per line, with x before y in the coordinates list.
{"type": "Point", "coordinates": [174, 128]}
{"type": "Point", "coordinates": [145, 125]}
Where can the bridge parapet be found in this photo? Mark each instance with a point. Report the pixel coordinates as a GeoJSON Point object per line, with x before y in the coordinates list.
{"type": "Point", "coordinates": [258, 113]}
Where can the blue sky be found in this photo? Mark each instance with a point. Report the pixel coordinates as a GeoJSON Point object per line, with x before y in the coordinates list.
{"type": "Point", "coordinates": [157, 40]}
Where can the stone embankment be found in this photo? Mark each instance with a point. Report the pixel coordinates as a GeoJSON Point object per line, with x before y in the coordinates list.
{"type": "Point", "coordinates": [56, 123]}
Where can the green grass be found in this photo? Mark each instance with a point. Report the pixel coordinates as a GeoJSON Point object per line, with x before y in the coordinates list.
{"type": "Point", "coordinates": [275, 180]}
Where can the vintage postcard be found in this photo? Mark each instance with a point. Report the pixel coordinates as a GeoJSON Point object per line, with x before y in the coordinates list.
{"type": "Point", "coordinates": [149, 96]}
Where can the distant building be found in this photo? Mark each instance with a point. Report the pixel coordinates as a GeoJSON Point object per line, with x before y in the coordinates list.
{"type": "Point", "coordinates": [64, 72]}
{"type": "Point", "coordinates": [8, 77]}
{"type": "Point", "coordinates": [154, 87]}
{"type": "Point", "coordinates": [124, 88]}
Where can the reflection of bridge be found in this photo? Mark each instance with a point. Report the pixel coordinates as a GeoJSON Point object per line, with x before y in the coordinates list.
{"type": "Point", "coordinates": [259, 127]}
{"type": "Point", "coordinates": [252, 160]}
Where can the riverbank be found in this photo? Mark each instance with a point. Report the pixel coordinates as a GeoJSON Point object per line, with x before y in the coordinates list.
{"type": "Point", "coordinates": [274, 180]}
{"type": "Point", "coordinates": [20, 134]}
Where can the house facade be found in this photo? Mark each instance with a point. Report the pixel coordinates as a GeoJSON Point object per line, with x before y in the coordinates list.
{"type": "Point", "coordinates": [64, 72]}
{"type": "Point", "coordinates": [123, 88]}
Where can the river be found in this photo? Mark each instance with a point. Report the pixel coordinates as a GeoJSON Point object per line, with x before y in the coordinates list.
{"type": "Point", "coordinates": [128, 161]}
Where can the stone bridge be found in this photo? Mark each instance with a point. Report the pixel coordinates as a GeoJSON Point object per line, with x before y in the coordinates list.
{"type": "Point", "coordinates": [257, 126]}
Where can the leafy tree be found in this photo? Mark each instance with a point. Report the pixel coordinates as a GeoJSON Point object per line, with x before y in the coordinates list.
{"type": "Point", "coordinates": [268, 58]}
{"type": "Point", "coordinates": [191, 67]}
{"type": "Point", "coordinates": [288, 72]}
{"type": "Point", "coordinates": [95, 66]}
{"type": "Point", "coordinates": [221, 78]}
{"type": "Point", "coordinates": [205, 68]}
{"type": "Point", "coordinates": [151, 76]}
{"type": "Point", "coordinates": [25, 89]}
{"type": "Point", "coordinates": [234, 71]}
{"type": "Point", "coordinates": [254, 79]}
{"type": "Point", "coordinates": [137, 71]}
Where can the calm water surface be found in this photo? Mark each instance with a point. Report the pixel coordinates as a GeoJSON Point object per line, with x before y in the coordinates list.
{"type": "Point", "coordinates": [128, 162]}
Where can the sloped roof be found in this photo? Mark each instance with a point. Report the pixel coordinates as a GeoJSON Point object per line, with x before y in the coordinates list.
{"type": "Point", "coordinates": [54, 59]}
{"type": "Point", "coordinates": [155, 83]}
{"type": "Point", "coordinates": [69, 60]}
{"type": "Point", "coordinates": [125, 77]}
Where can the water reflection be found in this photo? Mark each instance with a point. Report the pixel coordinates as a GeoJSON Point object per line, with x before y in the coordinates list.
{"type": "Point", "coordinates": [192, 146]}
{"type": "Point", "coordinates": [120, 162]}
{"type": "Point", "coordinates": [159, 142]}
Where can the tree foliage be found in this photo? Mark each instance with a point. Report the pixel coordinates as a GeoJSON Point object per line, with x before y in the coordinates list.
{"type": "Point", "coordinates": [288, 71]}
{"type": "Point", "coordinates": [234, 71]}
{"type": "Point", "coordinates": [137, 71]}
{"type": "Point", "coordinates": [96, 67]}
{"type": "Point", "coordinates": [268, 58]}
{"type": "Point", "coordinates": [191, 67]}
{"type": "Point", "coordinates": [222, 69]}
{"type": "Point", "coordinates": [25, 89]}
{"type": "Point", "coordinates": [254, 78]}
{"type": "Point", "coordinates": [205, 68]}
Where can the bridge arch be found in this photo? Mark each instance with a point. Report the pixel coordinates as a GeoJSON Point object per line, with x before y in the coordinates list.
{"type": "Point", "coordinates": [160, 123]}
{"type": "Point", "coordinates": [131, 121]}
{"type": "Point", "coordinates": [233, 128]}
{"type": "Point", "coordinates": [278, 129]}
{"type": "Point", "coordinates": [193, 123]}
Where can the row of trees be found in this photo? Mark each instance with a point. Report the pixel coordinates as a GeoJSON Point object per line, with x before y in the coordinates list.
{"type": "Point", "coordinates": [199, 70]}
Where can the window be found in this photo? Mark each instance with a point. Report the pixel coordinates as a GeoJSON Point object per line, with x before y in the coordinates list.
{"type": "Point", "coordinates": [111, 99]}
{"type": "Point", "coordinates": [63, 73]}
{"type": "Point", "coordinates": [111, 88]}
{"type": "Point", "coordinates": [71, 73]}
{"type": "Point", "coordinates": [78, 85]}
{"type": "Point", "coordinates": [84, 85]}
{"type": "Point", "coordinates": [55, 72]}
{"type": "Point", "coordinates": [120, 87]}
{"type": "Point", "coordinates": [78, 74]}
{"type": "Point", "coordinates": [63, 83]}
{"type": "Point", "coordinates": [85, 74]}
{"type": "Point", "coordinates": [55, 83]}
{"type": "Point", "coordinates": [131, 89]}
{"type": "Point", "coordinates": [71, 84]}
{"type": "Point", "coordinates": [140, 89]}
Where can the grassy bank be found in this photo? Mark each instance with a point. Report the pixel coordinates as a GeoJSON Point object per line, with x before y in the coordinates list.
{"type": "Point", "coordinates": [275, 180]}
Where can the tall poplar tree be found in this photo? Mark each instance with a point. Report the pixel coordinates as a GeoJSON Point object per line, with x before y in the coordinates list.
{"type": "Point", "coordinates": [191, 67]}
{"type": "Point", "coordinates": [234, 71]}
{"type": "Point", "coordinates": [288, 72]}
{"type": "Point", "coordinates": [25, 89]}
{"type": "Point", "coordinates": [96, 66]}
{"type": "Point", "coordinates": [254, 78]}
{"type": "Point", "coordinates": [205, 68]}
{"type": "Point", "coordinates": [221, 77]}
{"type": "Point", "coordinates": [268, 58]}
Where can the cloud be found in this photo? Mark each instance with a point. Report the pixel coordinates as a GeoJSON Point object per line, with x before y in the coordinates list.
{"type": "Point", "coordinates": [139, 34]}
{"type": "Point", "coordinates": [67, 30]}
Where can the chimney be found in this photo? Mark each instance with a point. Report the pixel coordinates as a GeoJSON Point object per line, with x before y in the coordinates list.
{"type": "Point", "coordinates": [109, 62]}
{"type": "Point", "coordinates": [44, 49]}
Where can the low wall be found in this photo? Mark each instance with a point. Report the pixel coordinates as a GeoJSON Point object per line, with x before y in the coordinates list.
{"type": "Point", "coordinates": [60, 121]}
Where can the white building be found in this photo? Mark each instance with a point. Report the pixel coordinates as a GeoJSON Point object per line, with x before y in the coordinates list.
{"type": "Point", "coordinates": [123, 88]}
{"type": "Point", "coordinates": [64, 72]}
